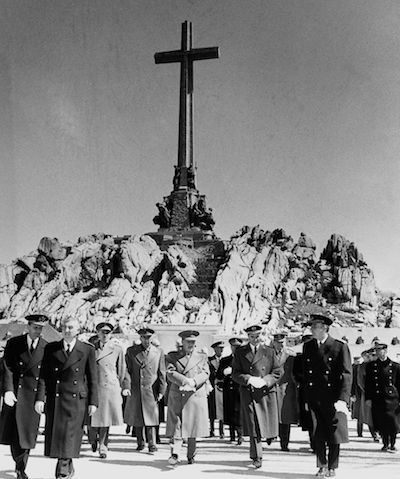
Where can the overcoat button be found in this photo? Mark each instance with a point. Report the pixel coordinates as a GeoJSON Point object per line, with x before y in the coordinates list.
{"type": "Point", "coordinates": [57, 395]}
{"type": "Point", "coordinates": [74, 395]}
{"type": "Point", "coordinates": [37, 379]}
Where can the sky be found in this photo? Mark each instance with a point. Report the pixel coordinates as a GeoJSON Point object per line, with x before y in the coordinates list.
{"type": "Point", "coordinates": [296, 125]}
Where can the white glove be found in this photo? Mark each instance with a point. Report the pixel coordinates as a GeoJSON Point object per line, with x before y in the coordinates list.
{"type": "Point", "coordinates": [341, 406]}
{"type": "Point", "coordinates": [9, 398]}
{"type": "Point", "coordinates": [91, 409]}
{"type": "Point", "coordinates": [257, 382]}
{"type": "Point", "coordinates": [126, 392]}
{"type": "Point", "coordinates": [187, 387]}
{"type": "Point", "coordinates": [227, 371]}
{"type": "Point", "coordinates": [39, 407]}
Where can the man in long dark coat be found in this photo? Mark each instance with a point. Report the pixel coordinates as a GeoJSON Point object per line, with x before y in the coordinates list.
{"type": "Point", "coordinates": [19, 423]}
{"type": "Point", "coordinates": [68, 383]}
{"type": "Point", "coordinates": [187, 413]}
{"type": "Point", "coordinates": [145, 384]}
{"type": "Point", "coordinates": [215, 397]}
{"type": "Point", "coordinates": [382, 390]}
{"type": "Point", "coordinates": [256, 370]}
{"type": "Point", "coordinates": [231, 394]}
{"type": "Point", "coordinates": [327, 380]}
{"type": "Point", "coordinates": [286, 390]}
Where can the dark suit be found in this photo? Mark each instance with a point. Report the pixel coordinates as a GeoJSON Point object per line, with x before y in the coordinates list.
{"type": "Point", "coordinates": [69, 384]}
{"type": "Point", "coordinates": [19, 424]}
{"type": "Point", "coordinates": [259, 406]}
{"type": "Point", "coordinates": [327, 378]}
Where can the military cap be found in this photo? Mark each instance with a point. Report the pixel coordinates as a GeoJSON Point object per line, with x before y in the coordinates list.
{"type": "Point", "coordinates": [103, 326]}
{"type": "Point", "coordinates": [38, 318]}
{"type": "Point", "coordinates": [380, 346]}
{"type": "Point", "coordinates": [218, 344]}
{"type": "Point", "coordinates": [253, 329]}
{"type": "Point", "coordinates": [189, 334]}
{"type": "Point", "coordinates": [145, 332]}
{"type": "Point", "coordinates": [235, 341]}
{"type": "Point", "coordinates": [319, 318]}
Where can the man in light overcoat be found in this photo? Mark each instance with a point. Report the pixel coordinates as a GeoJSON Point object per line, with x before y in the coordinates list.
{"type": "Point", "coordinates": [187, 416]}
{"type": "Point", "coordinates": [145, 385]}
{"type": "Point", "coordinates": [111, 371]}
{"type": "Point", "coordinates": [68, 384]}
{"type": "Point", "coordinates": [256, 370]}
{"type": "Point", "coordinates": [19, 423]}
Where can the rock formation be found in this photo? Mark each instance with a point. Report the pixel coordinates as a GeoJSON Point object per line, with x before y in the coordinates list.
{"type": "Point", "coordinates": [263, 276]}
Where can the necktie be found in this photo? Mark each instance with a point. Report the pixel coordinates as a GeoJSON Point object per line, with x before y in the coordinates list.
{"type": "Point", "coordinates": [32, 348]}
{"type": "Point", "coordinates": [68, 350]}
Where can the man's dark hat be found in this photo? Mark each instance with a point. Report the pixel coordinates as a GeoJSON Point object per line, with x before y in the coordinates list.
{"type": "Point", "coordinates": [103, 326]}
{"type": "Point", "coordinates": [319, 318]}
{"type": "Point", "coordinates": [189, 334]}
{"type": "Point", "coordinates": [235, 341]}
{"type": "Point", "coordinates": [218, 344]}
{"type": "Point", "coordinates": [38, 318]}
{"type": "Point", "coordinates": [380, 346]}
{"type": "Point", "coordinates": [279, 336]}
{"type": "Point", "coordinates": [145, 332]}
{"type": "Point", "coordinates": [253, 329]}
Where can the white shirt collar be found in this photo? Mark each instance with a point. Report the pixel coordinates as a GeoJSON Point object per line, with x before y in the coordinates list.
{"type": "Point", "coordinates": [71, 344]}
{"type": "Point", "coordinates": [31, 341]}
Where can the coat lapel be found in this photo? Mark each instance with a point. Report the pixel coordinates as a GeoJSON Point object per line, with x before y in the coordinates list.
{"type": "Point", "coordinates": [75, 355]}
{"type": "Point", "coordinates": [261, 352]}
{"type": "Point", "coordinates": [248, 354]}
{"type": "Point", "coordinates": [37, 355]}
{"type": "Point", "coordinates": [193, 359]}
{"type": "Point", "coordinates": [103, 353]}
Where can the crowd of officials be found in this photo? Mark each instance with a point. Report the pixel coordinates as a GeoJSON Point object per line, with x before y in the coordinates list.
{"type": "Point", "coordinates": [258, 391]}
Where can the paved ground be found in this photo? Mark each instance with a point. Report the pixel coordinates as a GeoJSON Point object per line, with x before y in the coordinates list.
{"type": "Point", "coordinates": [216, 458]}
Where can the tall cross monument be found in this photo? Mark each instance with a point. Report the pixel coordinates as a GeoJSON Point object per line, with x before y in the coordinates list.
{"type": "Point", "coordinates": [185, 209]}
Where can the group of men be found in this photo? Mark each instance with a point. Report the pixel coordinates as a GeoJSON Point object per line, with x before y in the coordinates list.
{"type": "Point", "coordinates": [254, 390]}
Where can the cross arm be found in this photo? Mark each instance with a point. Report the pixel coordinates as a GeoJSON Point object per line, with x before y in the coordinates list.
{"type": "Point", "coordinates": [173, 56]}
{"type": "Point", "coordinates": [204, 53]}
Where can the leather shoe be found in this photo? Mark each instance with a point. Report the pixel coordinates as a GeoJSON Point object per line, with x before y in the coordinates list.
{"type": "Point", "coordinates": [140, 447]}
{"type": "Point", "coordinates": [322, 472]}
{"type": "Point", "coordinates": [21, 475]}
{"type": "Point", "coordinates": [102, 455]}
{"type": "Point", "coordinates": [153, 448]}
{"type": "Point", "coordinates": [173, 459]}
{"type": "Point", "coordinates": [285, 449]}
{"type": "Point", "coordinates": [190, 460]}
{"type": "Point", "coordinates": [240, 441]}
{"type": "Point", "coordinates": [393, 448]}
{"type": "Point", "coordinates": [385, 448]}
{"type": "Point", "coordinates": [331, 473]}
{"type": "Point", "coordinates": [257, 463]}
{"type": "Point", "coordinates": [94, 446]}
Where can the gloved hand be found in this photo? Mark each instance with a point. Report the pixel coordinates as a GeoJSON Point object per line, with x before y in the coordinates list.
{"type": "Point", "coordinates": [91, 409]}
{"type": "Point", "coordinates": [227, 371]}
{"type": "Point", "coordinates": [9, 398]}
{"type": "Point", "coordinates": [39, 407]}
{"type": "Point", "coordinates": [341, 406]}
{"type": "Point", "coordinates": [256, 382]}
{"type": "Point", "coordinates": [126, 392]}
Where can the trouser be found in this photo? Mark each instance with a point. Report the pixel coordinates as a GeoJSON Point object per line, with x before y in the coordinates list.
{"type": "Point", "coordinates": [333, 454]}
{"type": "Point", "coordinates": [388, 439]}
{"type": "Point", "coordinates": [19, 455]}
{"type": "Point", "coordinates": [284, 435]}
{"type": "Point", "coordinates": [220, 428]}
{"type": "Point", "coordinates": [255, 448]}
{"type": "Point", "coordinates": [64, 467]}
{"type": "Point", "coordinates": [233, 429]}
{"type": "Point", "coordinates": [150, 432]}
{"type": "Point", "coordinates": [100, 434]}
{"type": "Point", "coordinates": [360, 427]}
{"type": "Point", "coordinates": [176, 445]}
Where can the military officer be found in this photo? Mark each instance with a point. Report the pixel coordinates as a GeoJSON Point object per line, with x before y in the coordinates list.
{"type": "Point", "coordinates": [327, 373]}
{"type": "Point", "coordinates": [231, 393]}
{"type": "Point", "coordinates": [382, 391]}
{"type": "Point", "coordinates": [286, 390]}
{"type": "Point", "coordinates": [145, 384]}
{"type": "Point", "coordinates": [111, 371]}
{"type": "Point", "coordinates": [187, 413]}
{"type": "Point", "coordinates": [68, 383]}
{"type": "Point", "coordinates": [19, 422]}
{"type": "Point", "coordinates": [256, 369]}
{"type": "Point", "coordinates": [215, 397]}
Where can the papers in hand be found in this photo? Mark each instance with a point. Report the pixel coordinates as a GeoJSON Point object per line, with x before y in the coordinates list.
{"type": "Point", "coordinates": [341, 406]}
{"type": "Point", "coordinates": [256, 382]}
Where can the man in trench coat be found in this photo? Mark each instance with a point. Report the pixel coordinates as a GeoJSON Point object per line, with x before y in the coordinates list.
{"type": "Point", "coordinates": [256, 369]}
{"type": "Point", "coordinates": [111, 371]}
{"type": "Point", "coordinates": [19, 423]}
{"type": "Point", "coordinates": [382, 393]}
{"type": "Point", "coordinates": [327, 373]}
{"type": "Point", "coordinates": [68, 383]}
{"type": "Point", "coordinates": [286, 390]}
{"type": "Point", "coordinates": [145, 385]}
{"type": "Point", "coordinates": [187, 416]}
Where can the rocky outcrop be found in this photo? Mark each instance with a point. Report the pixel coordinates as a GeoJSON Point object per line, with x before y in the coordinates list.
{"type": "Point", "coordinates": [256, 276]}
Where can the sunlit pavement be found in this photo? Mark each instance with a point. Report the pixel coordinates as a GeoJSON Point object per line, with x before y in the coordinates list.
{"type": "Point", "coordinates": [360, 458]}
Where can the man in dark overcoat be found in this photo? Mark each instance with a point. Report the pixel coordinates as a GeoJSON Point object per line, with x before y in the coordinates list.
{"type": "Point", "coordinates": [19, 423]}
{"type": "Point", "coordinates": [327, 380]}
{"type": "Point", "coordinates": [256, 370]}
{"type": "Point", "coordinates": [145, 385]}
{"type": "Point", "coordinates": [68, 384]}
{"type": "Point", "coordinates": [231, 394]}
{"type": "Point", "coordinates": [286, 390]}
{"type": "Point", "coordinates": [382, 391]}
{"type": "Point", "coordinates": [187, 413]}
{"type": "Point", "coordinates": [215, 397]}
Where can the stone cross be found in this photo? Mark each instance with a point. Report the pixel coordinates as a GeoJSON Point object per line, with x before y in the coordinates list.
{"type": "Point", "coordinates": [186, 56]}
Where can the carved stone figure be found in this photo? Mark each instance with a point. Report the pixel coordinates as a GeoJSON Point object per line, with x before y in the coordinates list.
{"type": "Point", "coordinates": [163, 219]}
